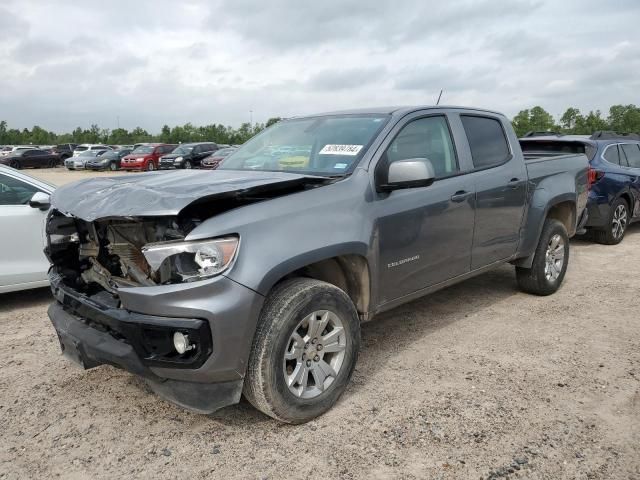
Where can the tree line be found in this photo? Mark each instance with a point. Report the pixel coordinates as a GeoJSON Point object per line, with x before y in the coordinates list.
{"type": "Point", "coordinates": [621, 118]}
{"type": "Point", "coordinates": [121, 136]}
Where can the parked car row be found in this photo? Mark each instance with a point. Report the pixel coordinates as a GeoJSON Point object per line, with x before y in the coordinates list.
{"type": "Point", "coordinates": [614, 176]}
{"type": "Point", "coordinates": [141, 156]}
{"type": "Point", "coordinates": [148, 156]}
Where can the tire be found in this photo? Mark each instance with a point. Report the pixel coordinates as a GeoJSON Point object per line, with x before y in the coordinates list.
{"type": "Point", "coordinates": [113, 167]}
{"type": "Point", "coordinates": [286, 309]}
{"type": "Point", "coordinates": [15, 164]}
{"type": "Point", "coordinates": [51, 164]}
{"type": "Point", "coordinates": [150, 166]}
{"type": "Point", "coordinates": [543, 278]}
{"type": "Point", "coordinates": [187, 165]}
{"type": "Point", "coordinates": [617, 224]}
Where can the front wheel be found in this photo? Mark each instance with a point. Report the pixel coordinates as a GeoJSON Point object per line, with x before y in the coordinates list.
{"type": "Point", "coordinates": [150, 166]}
{"type": "Point", "coordinates": [187, 165]}
{"type": "Point", "coordinates": [549, 262]}
{"type": "Point", "coordinates": [15, 164]}
{"type": "Point", "coordinates": [113, 167]}
{"type": "Point", "coordinates": [304, 350]}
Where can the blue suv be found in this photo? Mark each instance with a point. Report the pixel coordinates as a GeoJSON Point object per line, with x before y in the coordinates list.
{"type": "Point", "coordinates": [614, 177]}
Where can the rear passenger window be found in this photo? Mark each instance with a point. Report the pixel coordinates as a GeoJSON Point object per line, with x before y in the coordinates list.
{"type": "Point", "coordinates": [488, 143]}
{"type": "Point", "coordinates": [632, 152]}
{"type": "Point", "coordinates": [611, 155]}
{"type": "Point", "coordinates": [428, 138]}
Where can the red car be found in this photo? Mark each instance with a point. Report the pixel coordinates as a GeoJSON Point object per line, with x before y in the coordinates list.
{"type": "Point", "coordinates": [215, 159]}
{"type": "Point", "coordinates": [146, 157]}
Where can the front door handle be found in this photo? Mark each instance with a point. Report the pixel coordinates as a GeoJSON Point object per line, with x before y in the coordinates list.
{"type": "Point", "coordinates": [460, 196]}
{"type": "Point", "coordinates": [514, 183]}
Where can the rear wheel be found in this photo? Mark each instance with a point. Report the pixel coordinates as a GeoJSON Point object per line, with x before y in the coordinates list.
{"type": "Point", "coordinates": [150, 166]}
{"type": "Point", "coordinates": [617, 224]}
{"type": "Point", "coordinates": [549, 262]}
{"type": "Point", "coordinates": [304, 351]}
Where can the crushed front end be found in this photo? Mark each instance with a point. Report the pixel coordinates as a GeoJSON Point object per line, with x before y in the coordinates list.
{"type": "Point", "coordinates": [133, 293]}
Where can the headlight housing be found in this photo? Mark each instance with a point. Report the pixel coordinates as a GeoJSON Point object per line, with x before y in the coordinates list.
{"type": "Point", "coordinates": [191, 261]}
{"type": "Point", "coordinates": [178, 160]}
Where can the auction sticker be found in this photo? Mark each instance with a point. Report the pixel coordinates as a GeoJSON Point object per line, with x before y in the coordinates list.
{"type": "Point", "coordinates": [340, 150]}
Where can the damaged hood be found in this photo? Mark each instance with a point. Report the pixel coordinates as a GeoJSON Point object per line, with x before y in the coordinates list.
{"type": "Point", "coordinates": [163, 193]}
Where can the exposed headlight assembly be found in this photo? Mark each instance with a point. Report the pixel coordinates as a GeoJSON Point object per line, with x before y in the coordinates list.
{"type": "Point", "coordinates": [191, 261]}
{"type": "Point", "coordinates": [177, 160]}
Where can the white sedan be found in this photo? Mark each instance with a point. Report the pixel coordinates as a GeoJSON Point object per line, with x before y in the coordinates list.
{"type": "Point", "coordinates": [24, 202]}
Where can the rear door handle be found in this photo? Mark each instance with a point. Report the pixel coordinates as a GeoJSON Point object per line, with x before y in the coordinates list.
{"type": "Point", "coordinates": [460, 196]}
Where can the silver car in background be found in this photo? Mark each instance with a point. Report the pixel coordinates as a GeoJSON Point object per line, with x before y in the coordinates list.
{"type": "Point", "coordinates": [79, 161]}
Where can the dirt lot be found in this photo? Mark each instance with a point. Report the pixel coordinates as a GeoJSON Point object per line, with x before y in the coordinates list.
{"type": "Point", "coordinates": [474, 381]}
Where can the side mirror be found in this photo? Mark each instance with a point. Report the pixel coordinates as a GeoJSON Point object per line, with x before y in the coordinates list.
{"type": "Point", "coordinates": [40, 200]}
{"type": "Point", "coordinates": [409, 173]}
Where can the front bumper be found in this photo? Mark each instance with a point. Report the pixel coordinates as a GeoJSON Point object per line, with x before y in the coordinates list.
{"type": "Point", "coordinates": [71, 165]}
{"type": "Point", "coordinates": [96, 166]}
{"type": "Point", "coordinates": [92, 333]}
{"type": "Point", "coordinates": [169, 165]}
{"type": "Point", "coordinates": [138, 164]}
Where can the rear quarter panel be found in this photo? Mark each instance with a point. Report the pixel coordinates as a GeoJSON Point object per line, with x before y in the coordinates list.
{"type": "Point", "coordinates": [552, 181]}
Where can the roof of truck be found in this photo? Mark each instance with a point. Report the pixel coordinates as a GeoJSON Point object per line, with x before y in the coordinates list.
{"type": "Point", "coordinates": [400, 110]}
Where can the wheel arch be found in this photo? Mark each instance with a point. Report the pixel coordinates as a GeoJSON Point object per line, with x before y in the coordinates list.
{"type": "Point", "coordinates": [345, 268]}
{"type": "Point", "coordinates": [627, 196]}
{"type": "Point", "coordinates": [562, 208]}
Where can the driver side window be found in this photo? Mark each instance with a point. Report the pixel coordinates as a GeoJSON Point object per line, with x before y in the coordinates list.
{"type": "Point", "coordinates": [14, 191]}
{"type": "Point", "coordinates": [429, 138]}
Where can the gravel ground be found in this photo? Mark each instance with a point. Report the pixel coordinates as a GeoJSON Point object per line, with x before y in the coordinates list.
{"type": "Point", "coordinates": [475, 381]}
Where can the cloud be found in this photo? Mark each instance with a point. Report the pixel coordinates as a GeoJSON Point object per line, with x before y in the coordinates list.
{"type": "Point", "coordinates": [151, 62]}
{"type": "Point", "coordinates": [11, 24]}
{"type": "Point", "coordinates": [332, 79]}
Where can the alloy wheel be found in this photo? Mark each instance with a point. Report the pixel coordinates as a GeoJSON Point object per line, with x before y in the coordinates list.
{"type": "Point", "coordinates": [314, 354]}
{"type": "Point", "coordinates": [619, 222]}
{"type": "Point", "coordinates": [554, 258]}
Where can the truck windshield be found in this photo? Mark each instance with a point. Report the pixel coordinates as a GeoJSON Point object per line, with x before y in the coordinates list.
{"type": "Point", "coordinates": [328, 145]}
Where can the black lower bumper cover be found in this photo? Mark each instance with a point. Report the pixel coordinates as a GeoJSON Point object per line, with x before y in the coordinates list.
{"type": "Point", "coordinates": [90, 348]}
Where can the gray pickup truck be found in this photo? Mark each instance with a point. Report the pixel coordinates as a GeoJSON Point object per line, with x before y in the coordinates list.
{"type": "Point", "coordinates": [254, 278]}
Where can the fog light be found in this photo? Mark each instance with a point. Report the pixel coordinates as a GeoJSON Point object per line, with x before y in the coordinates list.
{"type": "Point", "coordinates": [181, 343]}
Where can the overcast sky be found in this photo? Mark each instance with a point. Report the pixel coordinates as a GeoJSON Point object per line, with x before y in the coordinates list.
{"type": "Point", "coordinates": [68, 63]}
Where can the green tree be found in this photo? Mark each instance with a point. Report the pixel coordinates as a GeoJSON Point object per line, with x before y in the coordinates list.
{"type": "Point", "coordinates": [165, 134]}
{"type": "Point", "coordinates": [140, 135]}
{"type": "Point", "coordinates": [3, 132]}
{"type": "Point", "coordinates": [537, 119]}
{"type": "Point", "coordinates": [624, 118]}
{"type": "Point", "coordinates": [569, 119]}
{"type": "Point", "coordinates": [272, 121]}
{"type": "Point", "coordinates": [591, 123]}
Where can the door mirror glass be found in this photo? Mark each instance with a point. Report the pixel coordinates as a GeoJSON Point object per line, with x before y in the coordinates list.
{"type": "Point", "coordinates": [40, 200]}
{"type": "Point", "coordinates": [409, 173]}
